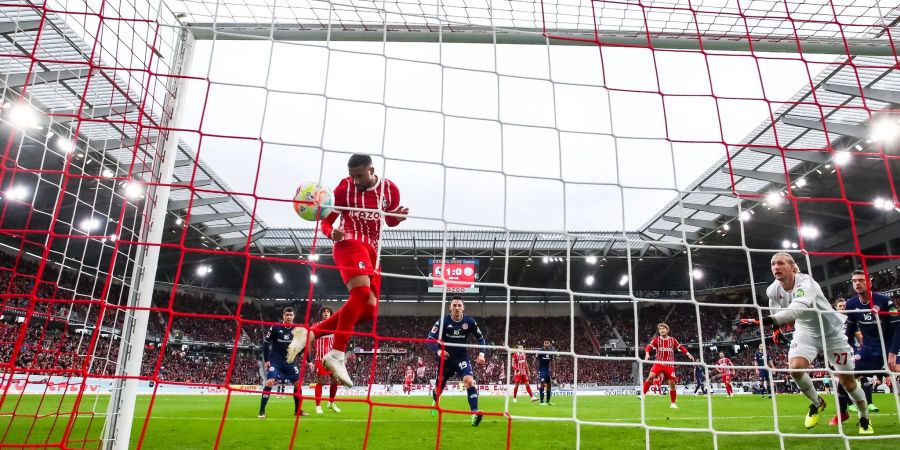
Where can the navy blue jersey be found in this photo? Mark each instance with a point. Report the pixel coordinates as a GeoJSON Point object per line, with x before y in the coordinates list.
{"type": "Point", "coordinates": [862, 317]}
{"type": "Point", "coordinates": [698, 373]}
{"type": "Point", "coordinates": [454, 332]}
{"type": "Point", "coordinates": [761, 360]}
{"type": "Point", "coordinates": [544, 360]}
{"type": "Point", "coordinates": [275, 344]}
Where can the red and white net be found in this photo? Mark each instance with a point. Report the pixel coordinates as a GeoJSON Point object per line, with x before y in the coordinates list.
{"type": "Point", "coordinates": [643, 172]}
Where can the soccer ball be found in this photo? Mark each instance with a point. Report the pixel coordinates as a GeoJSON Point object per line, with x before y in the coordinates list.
{"type": "Point", "coordinates": [317, 201]}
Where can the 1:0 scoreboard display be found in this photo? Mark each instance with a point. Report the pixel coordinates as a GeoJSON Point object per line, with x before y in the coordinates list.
{"type": "Point", "coordinates": [459, 274]}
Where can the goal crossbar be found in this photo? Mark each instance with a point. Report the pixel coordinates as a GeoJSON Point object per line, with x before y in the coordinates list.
{"type": "Point", "coordinates": [475, 34]}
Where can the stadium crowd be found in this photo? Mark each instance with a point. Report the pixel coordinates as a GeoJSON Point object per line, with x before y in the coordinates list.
{"type": "Point", "coordinates": [199, 349]}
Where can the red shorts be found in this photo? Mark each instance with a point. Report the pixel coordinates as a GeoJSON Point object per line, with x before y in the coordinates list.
{"type": "Point", "coordinates": [667, 372]}
{"type": "Point", "coordinates": [353, 259]}
{"type": "Point", "coordinates": [407, 383]}
{"type": "Point", "coordinates": [726, 378]}
{"type": "Point", "coordinates": [520, 379]}
{"type": "Point", "coordinates": [320, 369]}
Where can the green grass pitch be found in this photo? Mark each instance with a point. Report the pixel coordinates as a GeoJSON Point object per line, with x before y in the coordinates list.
{"type": "Point", "coordinates": [192, 422]}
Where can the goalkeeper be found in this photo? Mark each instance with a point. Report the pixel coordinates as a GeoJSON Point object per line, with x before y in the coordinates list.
{"type": "Point", "coordinates": [796, 297]}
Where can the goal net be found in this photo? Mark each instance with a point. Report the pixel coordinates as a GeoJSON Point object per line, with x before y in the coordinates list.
{"type": "Point", "coordinates": [577, 171]}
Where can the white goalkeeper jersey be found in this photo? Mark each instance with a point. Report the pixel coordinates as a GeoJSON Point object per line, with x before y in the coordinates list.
{"type": "Point", "coordinates": [803, 305]}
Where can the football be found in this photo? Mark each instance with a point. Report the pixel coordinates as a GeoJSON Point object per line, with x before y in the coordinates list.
{"type": "Point", "coordinates": [313, 201]}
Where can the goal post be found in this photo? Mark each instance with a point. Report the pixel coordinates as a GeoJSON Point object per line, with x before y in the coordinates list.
{"type": "Point", "coordinates": [121, 408]}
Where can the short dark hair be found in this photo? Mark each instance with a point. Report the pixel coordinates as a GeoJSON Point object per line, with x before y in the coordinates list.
{"type": "Point", "coordinates": [287, 310]}
{"type": "Point", "coordinates": [359, 160]}
{"type": "Point", "coordinates": [858, 272]}
{"type": "Point", "coordinates": [456, 297]}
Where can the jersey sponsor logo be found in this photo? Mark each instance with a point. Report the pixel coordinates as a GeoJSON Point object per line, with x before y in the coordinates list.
{"type": "Point", "coordinates": [800, 293]}
{"type": "Point", "coordinates": [365, 215]}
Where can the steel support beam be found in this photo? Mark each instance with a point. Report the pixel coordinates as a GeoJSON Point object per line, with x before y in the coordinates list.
{"type": "Point", "coordinates": [693, 222]}
{"type": "Point", "coordinates": [771, 177]}
{"type": "Point", "coordinates": [730, 211]}
{"type": "Point", "coordinates": [25, 25]}
{"type": "Point", "coordinates": [215, 231]}
{"type": "Point", "coordinates": [724, 191]}
{"type": "Point", "coordinates": [857, 131]}
{"type": "Point", "coordinates": [296, 243]}
{"type": "Point", "coordinates": [238, 242]}
{"type": "Point", "coordinates": [183, 204]}
{"type": "Point", "coordinates": [138, 168]}
{"type": "Point", "coordinates": [201, 218]}
{"type": "Point", "coordinates": [690, 235]}
{"type": "Point", "coordinates": [17, 80]}
{"type": "Point", "coordinates": [882, 95]}
{"type": "Point", "coordinates": [71, 115]}
{"type": "Point", "coordinates": [800, 155]}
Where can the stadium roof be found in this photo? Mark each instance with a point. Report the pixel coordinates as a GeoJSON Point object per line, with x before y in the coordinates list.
{"type": "Point", "coordinates": [809, 133]}
{"type": "Point", "coordinates": [473, 243]}
{"type": "Point", "coordinates": [104, 107]}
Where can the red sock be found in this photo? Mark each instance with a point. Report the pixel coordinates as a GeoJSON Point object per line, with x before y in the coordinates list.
{"type": "Point", "coordinates": [528, 387]}
{"type": "Point", "coordinates": [515, 391]}
{"type": "Point", "coordinates": [646, 386]}
{"type": "Point", "coordinates": [673, 392]}
{"type": "Point", "coordinates": [332, 391]}
{"type": "Point", "coordinates": [330, 325]}
{"type": "Point", "coordinates": [367, 315]}
{"type": "Point", "coordinates": [349, 314]}
{"type": "Point", "coordinates": [318, 394]}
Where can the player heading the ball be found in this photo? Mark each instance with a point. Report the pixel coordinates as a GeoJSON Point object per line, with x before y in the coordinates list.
{"type": "Point", "coordinates": [797, 298]}
{"type": "Point", "coordinates": [361, 201]}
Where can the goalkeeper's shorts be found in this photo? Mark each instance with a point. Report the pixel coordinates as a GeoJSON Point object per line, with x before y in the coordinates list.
{"type": "Point", "coordinates": [837, 351]}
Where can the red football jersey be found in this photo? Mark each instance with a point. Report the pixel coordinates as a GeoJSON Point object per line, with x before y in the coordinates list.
{"type": "Point", "coordinates": [665, 348]}
{"type": "Point", "coordinates": [362, 221]}
{"type": "Point", "coordinates": [323, 346]}
{"type": "Point", "coordinates": [724, 369]}
{"type": "Point", "coordinates": [410, 375]}
{"type": "Point", "coordinates": [520, 363]}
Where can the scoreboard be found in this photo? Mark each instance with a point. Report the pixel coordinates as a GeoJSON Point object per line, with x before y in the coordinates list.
{"type": "Point", "coordinates": [460, 275]}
